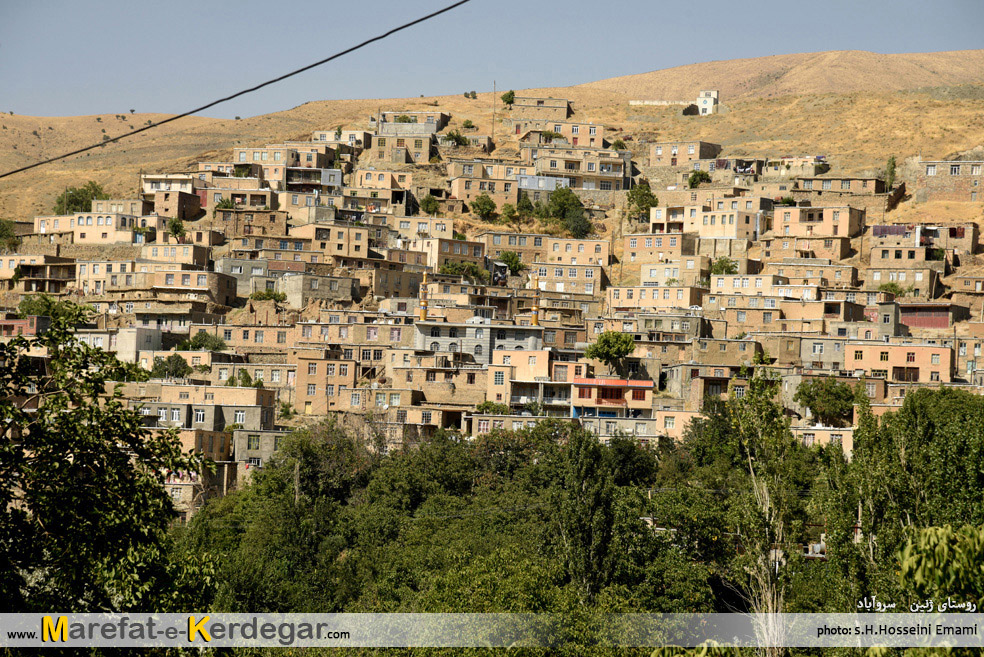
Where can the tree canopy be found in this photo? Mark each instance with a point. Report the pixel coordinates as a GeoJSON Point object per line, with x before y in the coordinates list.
{"type": "Point", "coordinates": [511, 258]}
{"type": "Point", "coordinates": [9, 239]}
{"type": "Point", "coordinates": [696, 178]}
{"type": "Point", "coordinates": [483, 206]}
{"type": "Point", "coordinates": [641, 198]}
{"type": "Point", "coordinates": [429, 205]}
{"type": "Point", "coordinates": [724, 266]}
{"type": "Point", "coordinates": [469, 270]}
{"type": "Point", "coordinates": [611, 348]}
{"type": "Point", "coordinates": [509, 97]}
{"type": "Point", "coordinates": [87, 515]}
{"type": "Point", "coordinates": [829, 400]}
{"type": "Point", "coordinates": [45, 305]}
{"type": "Point", "coordinates": [172, 367]}
{"type": "Point", "coordinates": [79, 199]}
{"type": "Point", "coordinates": [564, 206]}
{"type": "Point", "coordinates": [203, 341]}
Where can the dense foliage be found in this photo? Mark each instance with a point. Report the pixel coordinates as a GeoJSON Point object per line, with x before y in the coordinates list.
{"type": "Point", "coordinates": [203, 341]}
{"type": "Point", "coordinates": [641, 198]}
{"type": "Point", "coordinates": [429, 205]}
{"type": "Point", "coordinates": [79, 199]}
{"type": "Point", "coordinates": [483, 206]}
{"type": "Point", "coordinates": [9, 239]}
{"type": "Point", "coordinates": [469, 270]}
{"type": "Point", "coordinates": [563, 207]}
{"type": "Point", "coordinates": [543, 519]}
{"type": "Point", "coordinates": [511, 259]}
{"type": "Point", "coordinates": [611, 348]}
{"type": "Point", "coordinates": [86, 515]}
{"type": "Point", "coordinates": [172, 367]}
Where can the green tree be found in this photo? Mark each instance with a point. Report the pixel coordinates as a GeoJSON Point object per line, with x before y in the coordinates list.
{"type": "Point", "coordinates": [338, 133]}
{"type": "Point", "coordinates": [404, 118]}
{"type": "Point", "coordinates": [429, 205]}
{"type": "Point", "coordinates": [203, 341]}
{"type": "Point", "coordinates": [611, 348]}
{"type": "Point", "coordinates": [269, 295]}
{"type": "Point", "coordinates": [172, 367]}
{"type": "Point", "coordinates": [618, 145]}
{"type": "Point", "coordinates": [467, 125]}
{"type": "Point", "coordinates": [893, 288]}
{"type": "Point", "coordinates": [79, 199]}
{"type": "Point", "coordinates": [456, 137]}
{"type": "Point", "coordinates": [524, 207]}
{"type": "Point", "coordinates": [549, 136]}
{"type": "Point", "coordinates": [9, 239]}
{"type": "Point", "coordinates": [511, 258]}
{"type": "Point", "coordinates": [472, 95]}
{"type": "Point", "coordinates": [696, 178]}
{"type": "Point", "coordinates": [564, 205]}
{"type": "Point", "coordinates": [890, 173]}
{"type": "Point", "coordinates": [45, 305]}
{"type": "Point", "coordinates": [562, 202]}
{"type": "Point", "coordinates": [943, 562]}
{"type": "Point", "coordinates": [724, 266]}
{"type": "Point", "coordinates": [508, 213]}
{"type": "Point", "coordinates": [829, 400]}
{"type": "Point", "coordinates": [641, 198]}
{"type": "Point", "coordinates": [509, 97]}
{"type": "Point", "coordinates": [176, 227]}
{"type": "Point", "coordinates": [586, 515]}
{"type": "Point", "coordinates": [483, 206]}
{"type": "Point", "coordinates": [467, 269]}
{"type": "Point", "coordinates": [86, 519]}
{"type": "Point", "coordinates": [768, 513]}
{"type": "Point", "coordinates": [577, 225]}
{"type": "Point", "coordinates": [491, 408]}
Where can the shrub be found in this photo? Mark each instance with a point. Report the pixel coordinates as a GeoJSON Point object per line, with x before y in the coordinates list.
{"type": "Point", "coordinates": [268, 295]}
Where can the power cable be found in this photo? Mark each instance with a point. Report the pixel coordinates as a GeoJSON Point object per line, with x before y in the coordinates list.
{"type": "Point", "coordinates": [241, 93]}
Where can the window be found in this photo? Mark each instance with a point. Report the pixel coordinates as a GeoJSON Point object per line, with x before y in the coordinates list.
{"type": "Point", "coordinates": [240, 417]}
{"type": "Point", "coordinates": [669, 422]}
{"type": "Point", "coordinates": [638, 395]}
{"type": "Point", "coordinates": [499, 378]}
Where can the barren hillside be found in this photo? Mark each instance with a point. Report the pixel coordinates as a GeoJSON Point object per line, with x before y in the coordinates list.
{"type": "Point", "coordinates": [915, 104]}
{"type": "Point", "coordinates": [839, 71]}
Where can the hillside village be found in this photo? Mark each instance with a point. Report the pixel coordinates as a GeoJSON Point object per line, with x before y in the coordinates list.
{"type": "Point", "coordinates": [412, 273]}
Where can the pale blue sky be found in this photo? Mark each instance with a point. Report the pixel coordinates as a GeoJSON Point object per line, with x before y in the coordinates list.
{"type": "Point", "coordinates": [60, 57]}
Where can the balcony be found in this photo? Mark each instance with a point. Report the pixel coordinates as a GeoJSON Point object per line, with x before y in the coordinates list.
{"type": "Point", "coordinates": [610, 402]}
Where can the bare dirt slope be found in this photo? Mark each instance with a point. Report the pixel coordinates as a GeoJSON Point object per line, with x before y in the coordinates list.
{"type": "Point", "coordinates": [839, 71]}
{"type": "Point", "coordinates": [927, 104]}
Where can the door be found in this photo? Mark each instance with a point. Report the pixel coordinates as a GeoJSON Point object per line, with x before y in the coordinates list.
{"type": "Point", "coordinates": [574, 141]}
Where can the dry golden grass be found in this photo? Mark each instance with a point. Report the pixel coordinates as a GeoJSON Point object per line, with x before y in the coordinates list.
{"type": "Point", "coordinates": [838, 71]}
{"type": "Point", "coordinates": [828, 115]}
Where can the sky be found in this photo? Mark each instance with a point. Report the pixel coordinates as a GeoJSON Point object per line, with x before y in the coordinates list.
{"type": "Point", "coordinates": [78, 57]}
